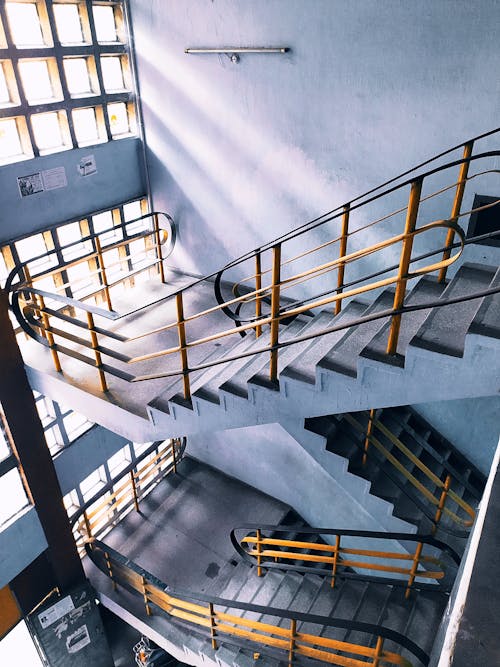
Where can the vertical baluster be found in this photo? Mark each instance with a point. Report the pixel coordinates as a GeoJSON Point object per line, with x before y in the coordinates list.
{"type": "Point", "coordinates": [145, 596]}
{"type": "Point", "coordinates": [88, 527]}
{"type": "Point", "coordinates": [378, 652]}
{"type": "Point", "coordinates": [369, 432]}
{"type": "Point", "coordinates": [174, 457]}
{"type": "Point", "coordinates": [213, 633]}
{"type": "Point", "coordinates": [259, 557]}
{"type": "Point", "coordinates": [442, 500]}
{"type": "Point", "coordinates": [335, 560]}
{"type": "Point", "coordinates": [457, 204]}
{"type": "Point", "coordinates": [158, 248]}
{"type": "Point", "coordinates": [97, 354]}
{"type": "Point", "coordinates": [275, 307]}
{"type": "Point", "coordinates": [414, 568]}
{"type": "Point", "coordinates": [110, 570]}
{"type": "Point", "coordinates": [291, 650]}
{"type": "Point", "coordinates": [48, 333]}
{"type": "Point", "coordinates": [258, 286]}
{"type": "Point", "coordinates": [134, 491]}
{"type": "Point", "coordinates": [404, 263]}
{"type": "Point", "coordinates": [181, 329]}
{"type": "Point", "coordinates": [342, 253]}
{"type": "Point", "coordinates": [102, 271]}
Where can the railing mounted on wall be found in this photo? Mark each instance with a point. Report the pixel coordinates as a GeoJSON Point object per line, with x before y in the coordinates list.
{"type": "Point", "coordinates": [277, 268]}
{"type": "Point", "coordinates": [410, 568]}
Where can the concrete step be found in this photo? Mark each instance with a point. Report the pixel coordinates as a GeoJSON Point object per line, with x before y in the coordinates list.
{"type": "Point", "coordinates": [486, 321]}
{"type": "Point", "coordinates": [343, 358]}
{"type": "Point", "coordinates": [445, 329]}
{"type": "Point", "coordinates": [303, 368]}
{"type": "Point", "coordinates": [427, 289]}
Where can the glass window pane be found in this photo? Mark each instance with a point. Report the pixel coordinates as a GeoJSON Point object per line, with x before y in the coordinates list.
{"type": "Point", "coordinates": [47, 131]}
{"type": "Point", "coordinates": [105, 26]}
{"type": "Point", "coordinates": [24, 24]}
{"type": "Point", "coordinates": [13, 495]}
{"type": "Point", "coordinates": [36, 80]}
{"type": "Point", "coordinates": [118, 118]}
{"type": "Point", "coordinates": [85, 124]}
{"type": "Point", "coordinates": [132, 210]}
{"type": "Point", "coordinates": [112, 73]}
{"type": "Point", "coordinates": [91, 484]}
{"type": "Point", "coordinates": [4, 90]}
{"type": "Point", "coordinates": [69, 26]}
{"type": "Point", "coordinates": [103, 221]}
{"type": "Point", "coordinates": [10, 141]}
{"type": "Point", "coordinates": [77, 76]}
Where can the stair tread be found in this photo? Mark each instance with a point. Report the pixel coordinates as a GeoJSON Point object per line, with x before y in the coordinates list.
{"type": "Point", "coordinates": [426, 289]}
{"type": "Point", "coordinates": [237, 382]}
{"type": "Point", "coordinates": [343, 357]}
{"type": "Point", "coordinates": [304, 367]}
{"type": "Point", "coordinates": [287, 355]}
{"type": "Point", "coordinates": [445, 329]}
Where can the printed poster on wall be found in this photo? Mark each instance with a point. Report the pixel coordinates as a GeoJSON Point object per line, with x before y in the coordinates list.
{"type": "Point", "coordinates": [30, 184]}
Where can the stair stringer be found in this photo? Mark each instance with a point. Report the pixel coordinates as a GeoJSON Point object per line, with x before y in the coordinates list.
{"type": "Point", "coordinates": [355, 487]}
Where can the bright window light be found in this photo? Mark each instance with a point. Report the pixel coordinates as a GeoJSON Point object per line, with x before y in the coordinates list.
{"type": "Point", "coordinates": [77, 76]}
{"type": "Point", "coordinates": [19, 643]}
{"type": "Point", "coordinates": [69, 26]}
{"type": "Point", "coordinates": [132, 210]}
{"type": "Point", "coordinates": [91, 484]}
{"type": "Point", "coordinates": [36, 80]}
{"type": "Point", "coordinates": [4, 445]}
{"type": "Point", "coordinates": [13, 495]}
{"type": "Point", "coordinates": [10, 141]}
{"type": "Point", "coordinates": [24, 24]}
{"type": "Point", "coordinates": [112, 73]}
{"type": "Point", "coordinates": [47, 131]}
{"type": "Point", "coordinates": [4, 89]}
{"type": "Point", "coordinates": [118, 118]}
{"type": "Point", "coordinates": [85, 124]}
{"type": "Point", "coordinates": [105, 26]}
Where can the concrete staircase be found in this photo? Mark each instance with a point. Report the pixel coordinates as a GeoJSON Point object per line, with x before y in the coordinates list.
{"type": "Point", "coordinates": [438, 354]}
{"type": "Point", "coordinates": [346, 442]}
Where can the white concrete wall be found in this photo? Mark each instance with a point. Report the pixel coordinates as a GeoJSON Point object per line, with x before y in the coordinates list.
{"type": "Point", "coordinates": [239, 153]}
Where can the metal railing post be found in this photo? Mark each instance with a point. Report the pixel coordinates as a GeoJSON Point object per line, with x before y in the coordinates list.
{"type": "Point", "coordinates": [158, 248]}
{"type": "Point", "coordinates": [275, 309]}
{"type": "Point", "coordinates": [293, 633]}
{"type": "Point", "coordinates": [174, 458]}
{"type": "Point", "coordinates": [414, 569]}
{"type": "Point", "coordinates": [369, 431]}
{"type": "Point", "coordinates": [213, 633]}
{"type": "Point", "coordinates": [145, 596]}
{"type": "Point", "coordinates": [110, 571]}
{"type": "Point", "coordinates": [102, 269]}
{"type": "Point", "coordinates": [342, 253]}
{"type": "Point", "coordinates": [134, 491]}
{"type": "Point", "coordinates": [97, 354]}
{"type": "Point", "coordinates": [335, 560]}
{"type": "Point", "coordinates": [48, 333]}
{"type": "Point", "coordinates": [258, 286]}
{"type": "Point", "coordinates": [457, 204]}
{"type": "Point", "coordinates": [442, 501]}
{"type": "Point", "coordinates": [181, 330]}
{"type": "Point", "coordinates": [404, 262]}
{"type": "Point", "coordinates": [378, 651]}
{"type": "Point", "coordinates": [259, 557]}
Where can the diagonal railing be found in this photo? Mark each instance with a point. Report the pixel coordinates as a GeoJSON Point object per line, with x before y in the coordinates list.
{"type": "Point", "coordinates": [221, 621]}
{"type": "Point", "coordinates": [262, 545]}
{"type": "Point", "coordinates": [285, 271]}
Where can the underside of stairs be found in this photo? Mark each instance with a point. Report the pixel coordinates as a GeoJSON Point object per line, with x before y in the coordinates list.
{"type": "Point", "coordinates": [184, 516]}
{"type": "Point", "coordinates": [345, 370]}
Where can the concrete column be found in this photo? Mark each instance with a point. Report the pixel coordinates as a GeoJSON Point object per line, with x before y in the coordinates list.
{"type": "Point", "coordinates": [31, 449]}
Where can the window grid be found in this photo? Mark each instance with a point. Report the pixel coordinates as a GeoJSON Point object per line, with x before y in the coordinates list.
{"type": "Point", "coordinates": [50, 57]}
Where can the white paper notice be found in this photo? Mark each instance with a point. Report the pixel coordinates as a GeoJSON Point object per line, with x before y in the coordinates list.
{"type": "Point", "coordinates": [30, 184]}
{"type": "Point", "coordinates": [54, 178]}
{"type": "Point", "coordinates": [57, 611]}
{"type": "Point", "coordinates": [78, 639]}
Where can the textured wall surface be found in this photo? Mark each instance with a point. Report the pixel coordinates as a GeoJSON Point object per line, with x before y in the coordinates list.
{"type": "Point", "coordinates": [239, 153]}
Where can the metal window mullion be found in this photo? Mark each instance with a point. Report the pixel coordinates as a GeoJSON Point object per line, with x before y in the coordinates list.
{"type": "Point", "coordinates": [24, 107]}
{"type": "Point", "coordinates": [97, 52]}
{"type": "Point", "coordinates": [57, 53]}
{"type": "Point", "coordinates": [8, 464]}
